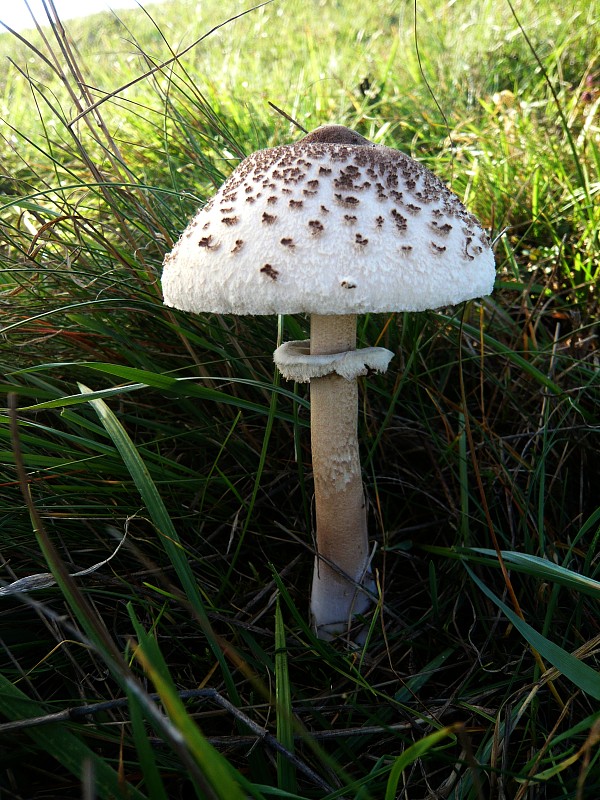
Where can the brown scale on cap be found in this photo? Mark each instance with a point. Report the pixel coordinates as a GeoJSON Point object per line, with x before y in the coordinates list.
{"type": "Point", "coordinates": [207, 241]}
{"type": "Point", "coordinates": [230, 221]}
{"type": "Point", "coordinates": [347, 285]}
{"type": "Point", "coordinates": [360, 239]}
{"type": "Point", "coordinates": [287, 242]}
{"type": "Point", "coordinates": [324, 209]}
{"type": "Point", "coordinates": [347, 178]}
{"type": "Point", "coordinates": [270, 271]}
{"type": "Point", "coordinates": [293, 175]}
{"type": "Point", "coordinates": [399, 221]}
{"type": "Point", "coordinates": [475, 248]}
{"type": "Point", "coordinates": [325, 170]}
{"type": "Point", "coordinates": [239, 243]}
{"type": "Point", "coordinates": [316, 227]}
{"type": "Point", "coordinates": [348, 202]}
{"type": "Point", "coordinates": [438, 249]}
{"type": "Point", "coordinates": [296, 204]}
{"type": "Point", "coordinates": [468, 255]}
{"type": "Point", "coordinates": [350, 219]}
{"type": "Point", "coordinates": [268, 219]}
{"type": "Point", "coordinates": [444, 230]}
{"type": "Point", "coordinates": [272, 200]}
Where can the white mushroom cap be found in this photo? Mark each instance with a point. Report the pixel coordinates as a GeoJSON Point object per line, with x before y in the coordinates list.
{"type": "Point", "coordinates": [329, 225]}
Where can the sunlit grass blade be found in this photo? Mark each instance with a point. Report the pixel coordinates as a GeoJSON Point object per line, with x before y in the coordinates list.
{"type": "Point", "coordinates": [162, 520]}
{"type": "Point", "coordinates": [180, 387]}
{"type": "Point", "coordinates": [219, 778]}
{"type": "Point", "coordinates": [151, 498]}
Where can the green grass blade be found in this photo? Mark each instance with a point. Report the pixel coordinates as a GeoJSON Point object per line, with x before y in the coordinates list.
{"type": "Point", "coordinates": [414, 684]}
{"type": "Point", "coordinates": [264, 451]}
{"type": "Point", "coordinates": [583, 676]}
{"type": "Point", "coordinates": [179, 387]}
{"type": "Point", "coordinates": [224, 781]}
{"type": "Point", "coordinates": [286, 772]}
{"type": "Point", "coordinates": [152, 499]}
{"type": "Point", "coordinates": [535, 566]}
{"type": "Point", "coordinates": [547, 570]}
{"type": "Point", "coordinates": [75, 399]}
{"type": "Point", "coordinates": [519, 361]}
{"type": "Point", "coordinates": [145, 751]}
{"type": "Point", "coordinates": [163, 523]}
{"type": "Point", "coordinates": [411, 754]}
{"type": "Point", "coordinates": [62, 744]}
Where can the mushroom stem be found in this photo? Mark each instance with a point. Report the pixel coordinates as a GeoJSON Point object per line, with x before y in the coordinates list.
{"type": "Point", "coordinates": [341, 518]}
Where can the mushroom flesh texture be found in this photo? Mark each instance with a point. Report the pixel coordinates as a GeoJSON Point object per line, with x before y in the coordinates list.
{"type": "Point", "coordinates": [332, 226]}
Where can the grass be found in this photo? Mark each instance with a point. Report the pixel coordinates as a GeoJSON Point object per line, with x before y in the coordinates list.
{"type": "Point", "coordinates": [184, 666]}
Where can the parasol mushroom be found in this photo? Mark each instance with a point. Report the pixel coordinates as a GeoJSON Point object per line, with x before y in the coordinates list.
{"type": "Point", "coordinates": [332, 226]}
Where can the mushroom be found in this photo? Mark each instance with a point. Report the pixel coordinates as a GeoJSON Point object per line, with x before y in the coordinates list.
{"type": "Point", "coordinates": [332, 226]}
